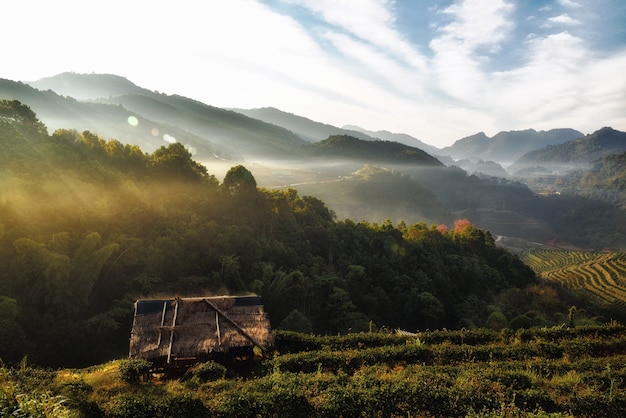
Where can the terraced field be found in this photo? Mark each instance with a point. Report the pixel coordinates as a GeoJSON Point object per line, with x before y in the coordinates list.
{"type": "Point", "coordinates": [600, 274]}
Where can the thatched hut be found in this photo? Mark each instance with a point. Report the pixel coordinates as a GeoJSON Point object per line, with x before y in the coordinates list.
{"type": "Point", "coordinates": [181, 331]}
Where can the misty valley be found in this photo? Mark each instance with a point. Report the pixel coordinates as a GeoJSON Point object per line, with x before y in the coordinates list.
{"type": "Point", "coordinates": [487, 278]}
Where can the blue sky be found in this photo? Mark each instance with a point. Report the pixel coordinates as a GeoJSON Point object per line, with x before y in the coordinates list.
{"type": "Point", "coordinates": [438, 70]}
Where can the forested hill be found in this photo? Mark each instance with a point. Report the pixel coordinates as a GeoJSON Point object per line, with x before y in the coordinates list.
{"type": "Point", "coordinates": [307, 129]}
{"type": "Point", "coordinates": [88, 225]}
{"type": "Point", "coordinates": [608, 173]}
{"type": "Point", "coordinates": [150, 119]}
{"type": "Point", "coordinates": [572, 154]}
{"type": "Point", "coordinates": [507, 146]}
{"type": "Point", "coordinates": [348, 147]}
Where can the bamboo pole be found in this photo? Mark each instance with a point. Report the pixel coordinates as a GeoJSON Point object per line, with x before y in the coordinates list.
{"type": "Point", "coordinates": [236, 325]}
{"type": "Point", "coordinates": [217, 324]}
{"type": "Point", "coordinates": [162, 322]}
{"type": "Point", "coordinates": [169, 350]}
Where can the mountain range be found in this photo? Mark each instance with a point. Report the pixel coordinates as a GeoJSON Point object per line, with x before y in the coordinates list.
{"type": "Point", "coordinates": [506, 147]}
{"type": "Point", "coordinates": [575, 154]}
{"type": "Point", "coordinates": [102, 104]}
{"type": "Point", "coordinates": [287, 150]}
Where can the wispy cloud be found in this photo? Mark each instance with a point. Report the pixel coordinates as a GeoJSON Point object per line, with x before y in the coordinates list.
{"type": "Point", "coordinates": [475, 30]}
{"type": "Point", "coordinates": [563, 19]}
{"type": "Point", "coordinates": [438, 73]}
{"type": "Point", "coordinates": [569, 3]}
{"type": "Point", "coordinates": [369, 21]}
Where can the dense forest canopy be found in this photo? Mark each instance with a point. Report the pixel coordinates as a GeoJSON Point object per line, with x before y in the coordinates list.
{"type": "Point", "coordinates": [88, 225]}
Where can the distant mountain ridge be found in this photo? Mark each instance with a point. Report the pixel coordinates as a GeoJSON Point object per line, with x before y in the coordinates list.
{"type": "Point", "coordinates": [398, 137]}
{"type": "Point", "coordinates": [88, 86]}
{"type": "Point", "coordinates": [508, 146]}
{"type": "Point", "coordinates": [109, 121]}
{"type": "Point", "coordinates": [572, 154]}
{"type": "Point", "coordinates": [75, 100]}
{"type": "Point", "coordinates": [345, 146]}
{"type": "Point", "coordinates": [159, 118]}
{"type": "Point", "coordinates": [307, 129]}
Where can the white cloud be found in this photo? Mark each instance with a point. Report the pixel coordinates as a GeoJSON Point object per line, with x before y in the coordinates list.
{"type": "Point", "coordinates": [370, 21]}
{"type": "Point", "coordinates": [564, 19]}
{"type": "Point", "coordinates": [244, 53]}
{"type": "Point", "coordinates": [569, 4]}
{"type": "Point", "coordinates": [475, 25]}
{"type": "Point", "coordinates": [561, 85]}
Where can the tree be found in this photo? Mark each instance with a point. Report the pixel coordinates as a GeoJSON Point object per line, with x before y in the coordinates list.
{"type": "Point", "coordinates": [15, 111]}
{"type": "Point", "coordinates": [175, 160]}
{"type": "Point", "coordinates": [430, 309]}
{"type": "Point", "coordinates": [55, 283]}
{"type": "Point", "coordinates": [296, 321]}
{"type": "Point", "coordinates": [239, 181]}
{"type": "Point", "coordinates": [11, 334]}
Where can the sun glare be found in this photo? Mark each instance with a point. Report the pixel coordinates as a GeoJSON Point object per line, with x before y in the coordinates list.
{"type": "Point", "coordinates": [133, 121]}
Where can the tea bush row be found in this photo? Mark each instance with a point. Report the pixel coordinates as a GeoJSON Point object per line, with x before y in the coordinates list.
{"type": "Point", "coordinates": [292, 342]}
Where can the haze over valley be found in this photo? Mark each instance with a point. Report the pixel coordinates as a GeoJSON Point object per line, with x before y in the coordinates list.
{"type": "Point", "coordinates": [313, 208]}
{"type": "Point", "coordinates": [361, 175]}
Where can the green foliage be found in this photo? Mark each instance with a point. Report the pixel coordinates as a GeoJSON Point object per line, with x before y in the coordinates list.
{"type": "Point", "coordinates": [344, 146]}
{"type": "Point", "coordinates": [13, 111]}
{"type": "Point", "coordinates": [239, 180]}
{"type": "Point", "coordinates": [136, 405]}
{"type": "Point", "coordinates": [208, 371]}
{"type": "Point", "coordinates": [601, 275]}
{"type": "Point", "coordinates": [550, 372]}
{"type": "Point", "coordinates": [134, 370]}
{"type": "Point", "coordinates": [296, 321]}
{"type": "Point", "coordinates": [91, 224]}
{"type": "Point", "coordinates": [176, 161]}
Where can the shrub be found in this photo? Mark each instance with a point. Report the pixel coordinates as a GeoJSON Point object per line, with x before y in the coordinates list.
{"type": "Point", "coordinates": [205, 372]}
{"type": "Point", "coordinates": [136, 406]}
{"type": "Point", "coordinates": [134, 370]}
{"type": "Point", "coordinates": [186, 406]}
{"type": "Point", "coordinates": [235, 404]}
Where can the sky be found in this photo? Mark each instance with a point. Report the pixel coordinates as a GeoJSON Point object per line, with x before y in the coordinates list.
{"type": "Point", "coordinates": [438, 70]}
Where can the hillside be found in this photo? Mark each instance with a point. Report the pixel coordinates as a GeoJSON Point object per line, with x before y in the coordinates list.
{"type": "Point", "coordinates": [88, 86]}
{"type": "Point", "coordinates": [366, 195]}
{"type": "Point", "coordinates": [109, 121]}
{"type": "Point", "coordinates": [507, 146]}
{"type": "Point", "coordinates": [305, 128]}
{"type": "Point", "coordinates": [575, 154]}
{"type": "Point", "coordinates": [242, 137]}
{"type": "Point", "coordinates": [604, 180]}
{"type": "Point", "coordinates": [557, 372]}
{"type": "Point", "coordinates": [347, 147]}
{"type": "Point", "coordinates": [597, 275]}
{"type": "Point", "coordinates": [88, 225]}
{"type": "Point", "coordinates": [280, 158]}
{"type": "Point", "coordinates": [160, 118]}
{"type": "Point", "coordinates": [397, 137]}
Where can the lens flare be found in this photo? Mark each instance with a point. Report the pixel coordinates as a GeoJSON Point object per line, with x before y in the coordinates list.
{"type": "Point", "coordinates": [154, 132]}
{"type": "Point", "coordinates": [133, 121]}
{"type": "Point", "coordinates": [169, 138]}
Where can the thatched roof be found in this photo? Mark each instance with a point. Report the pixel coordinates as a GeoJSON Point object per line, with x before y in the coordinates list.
{"type": "Point", "coordinates": [196, 327]}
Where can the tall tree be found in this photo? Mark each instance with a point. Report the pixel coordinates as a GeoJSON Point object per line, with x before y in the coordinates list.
{"type": "Point", "coordinates": [239, 180]}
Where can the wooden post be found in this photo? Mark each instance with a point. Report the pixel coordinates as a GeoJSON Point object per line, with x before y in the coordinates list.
{"type": "Point", "coordinates": [236, 325]}
{"type": "Point", "coordinates": [217, 324]}
{"type": "Point", "coordinates": [162, 322]}
{"type": "Point", "coordinates": [169, 350]}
